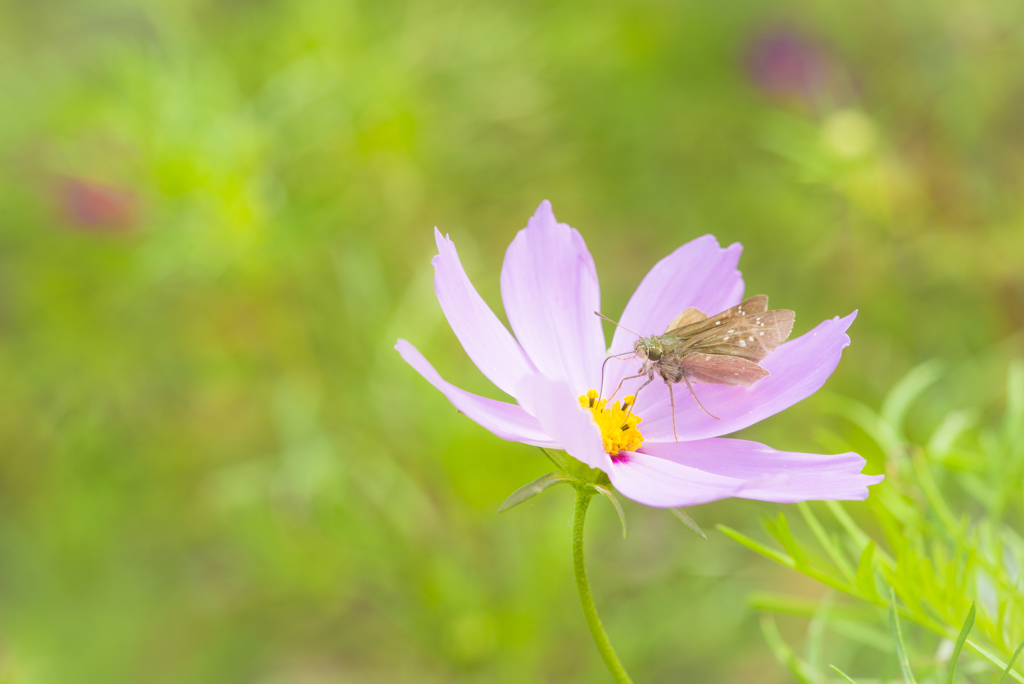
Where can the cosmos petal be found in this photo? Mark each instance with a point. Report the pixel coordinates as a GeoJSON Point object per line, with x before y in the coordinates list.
{"type": "Point", "coordinates": [561, 416]}
{"type": "Point", "coordinates": [487, 342]}
{"type": "Point", "coordinates": [798, 369]}
{"type": "Point", "coordinates": [662, 483]}
{"type": "Point", "coordinates": [699, 274]}
{"type": "Point", "coordinates": [507, 421]}
{"type": "Point", "coordinates": [769, 474]}
{"type": "Point", "coordinates": [550, 291]}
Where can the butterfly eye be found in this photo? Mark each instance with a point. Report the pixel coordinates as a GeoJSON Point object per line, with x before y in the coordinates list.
{"type": "Point", "coordinates": [654, 354]}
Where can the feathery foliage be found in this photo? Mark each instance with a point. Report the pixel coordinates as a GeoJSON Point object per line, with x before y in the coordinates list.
{"type": "Point", "coordinates": [945, 556]}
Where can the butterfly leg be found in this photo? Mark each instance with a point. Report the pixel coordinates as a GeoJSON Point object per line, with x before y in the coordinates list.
{"type": "Point", "coordinates": [613, 356]}
{"type": "Point", "coordinates": [650, 379]}
{"type": "Point", "coordinates": [672, 400]}
{"type": "Point", "coordinates": [697, 400]}
{"type": "Point", "coordinates": [631, 377]}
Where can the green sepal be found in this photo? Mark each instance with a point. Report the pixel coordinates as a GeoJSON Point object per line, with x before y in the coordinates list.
{"type": "Point", "coordinates": [557, 457]}
{"type": "Point", "coordinates": [682, 517]}
{"type": "Point", "coordinates": [585, 474]}
{"type": "Point", "coordinates": [534, 488]}
{"type": "Point", "coordinates": [618, 506]}
{"type": "Point", "coordinates": [570, 470]}
{"type": "Point", "coordinates": [575, 469]}
{"type": "Point", "coordinates": [609, 495]}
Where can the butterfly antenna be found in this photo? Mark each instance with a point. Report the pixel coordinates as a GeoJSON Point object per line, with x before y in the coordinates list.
{"type": "Point", "coordinates": [616, 323]}
{"type": "Point", "coordinates": [697, 400]}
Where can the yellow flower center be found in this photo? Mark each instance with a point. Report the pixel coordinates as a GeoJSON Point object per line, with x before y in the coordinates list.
{"type": "Point", "coordinates": [618, 423]}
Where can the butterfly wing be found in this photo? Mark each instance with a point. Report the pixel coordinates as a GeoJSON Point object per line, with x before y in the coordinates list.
{"type": "Point", "coordinates": [718, 369]}
{"type": "Point", "coordinates": [757, 304]}
{"type": "Point", "coordinates": [725, 349]}
{"type": "Point", "coordinates": [688, 316]}
{"type": "Point", "coordinates": [751, 338]}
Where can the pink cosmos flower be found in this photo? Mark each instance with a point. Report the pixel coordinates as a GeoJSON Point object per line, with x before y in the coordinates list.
{"type": "Point", "coordinates": [550, 291]}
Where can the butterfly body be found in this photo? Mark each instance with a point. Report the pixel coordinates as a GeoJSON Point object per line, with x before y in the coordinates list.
{"type": "Point", "coordinates": [723, 350]}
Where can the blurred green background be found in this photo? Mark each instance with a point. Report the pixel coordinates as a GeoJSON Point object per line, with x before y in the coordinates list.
{"type": "Point", "coordinates": [216, 218]}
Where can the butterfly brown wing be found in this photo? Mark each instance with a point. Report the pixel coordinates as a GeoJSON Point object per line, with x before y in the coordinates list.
{"type": "Point", "coordinates": [688, 316]}
{"type": "Point", "coordinates": [751, 338]}
{"type": "Point", "coordinates": [719, 369]}
{"type": "Point", "coordinates": [692, 328]}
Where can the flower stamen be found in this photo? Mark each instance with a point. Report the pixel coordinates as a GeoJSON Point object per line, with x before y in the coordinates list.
{"type": "Point", "coordinates": [618, 423]}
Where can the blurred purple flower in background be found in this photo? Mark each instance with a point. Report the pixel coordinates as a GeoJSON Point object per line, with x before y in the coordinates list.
{"type": "Point", "coordinates": [553, 365]}
{"type": "Point", "coordinates": [790, 66]}
{"type": "Point", "coordinates": [97, 207]}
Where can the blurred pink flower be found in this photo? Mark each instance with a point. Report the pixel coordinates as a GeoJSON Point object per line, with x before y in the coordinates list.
{"type": "Point", "coordinates": [550, 291]}
{"type": "Point", "coordinates": [788, 65]}
{"type": "Point", "coordinates": [96, 206]}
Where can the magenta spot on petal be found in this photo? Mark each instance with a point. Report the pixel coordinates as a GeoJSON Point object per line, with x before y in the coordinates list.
{"type": "Point", "coordinates": [621, 457]}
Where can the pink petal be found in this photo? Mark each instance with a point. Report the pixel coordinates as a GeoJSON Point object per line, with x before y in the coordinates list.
{"type": "Point", "coordinates": [771, 475]}
{"type": "Point", "coordinates": [798, 369]}
{"type": "Point", "coordinates": [550, 291]}
{"type": "Point", "coordinates": [700, 274]}
{"type": "Point", "coordinates": [661, 483]}
{"type": "Point", "coordinates": [560, 415]}
{"type": "Point", "coordinates": [507, 421]}
{"type": "Point", "coordinates": [488, 343]}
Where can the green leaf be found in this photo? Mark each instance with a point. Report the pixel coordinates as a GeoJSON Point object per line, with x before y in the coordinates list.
{"type": "Point", "coordinates": [764, 602]}
{"type": "Point", "coordinates": [1009, 665]}
{"type": "Point", "coordinates": [816, 631]}
{"type": "Point", "coordinates": [842, 674]}
{"type": "Point", "coordinates": [757, 547]}
{"type": "Point", "coordinates": [788, 561]}
{"type": "Point", "coordinates": [786, 537]}
{"type": "Point", "coordinates": [994, 660]}
{"type": "Point", "coordinates": [864, 418]}
{"type": "Point", "coordinates": [682, 517]}
{"type": "Point", "coordinates": [931, 492]}
{"type": "Point", "coordinates": [866, 572]}
{"type": "Point", "coordinates": [952, 426]}
{"type": "Point", "coordinates": [897, 634]}
{"type": "Point", "coordinates": [1014, 421]}
{"type": "Point", "coordinates": [534, 488]}
{"type": "Point", "coordinates": [618, 507]}
{"type": "Point", "coordinates": [857, 534]}
{"type": "Point", "coordinates": [783, 653]}
{"type": "Point", "coordinates": [832, 549]}
{"type": "Point", "coordinates": [863, 634]}
{"type": "Point", "coordinates": [907, 390]}
{"type": "Point", "coordinates": [964, 631]}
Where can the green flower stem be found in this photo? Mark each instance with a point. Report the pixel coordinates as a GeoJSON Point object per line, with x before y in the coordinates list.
{"type": "Point", "coordinates": [583, 497]}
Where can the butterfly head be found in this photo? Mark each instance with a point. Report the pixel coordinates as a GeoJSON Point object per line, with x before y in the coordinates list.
{"type": "Point", "coordinates": [649, 348]}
